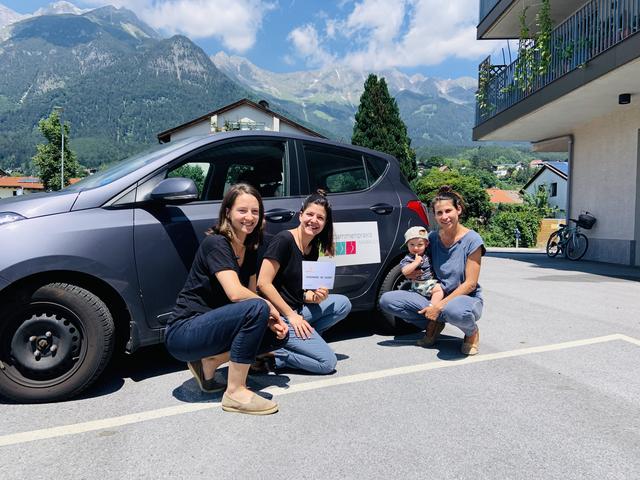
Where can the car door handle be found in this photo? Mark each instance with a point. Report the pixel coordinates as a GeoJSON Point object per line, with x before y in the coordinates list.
{"type": "Point", "coordinates": [381, 208]}
{"type": "Point", "coordinates": [279, 215]}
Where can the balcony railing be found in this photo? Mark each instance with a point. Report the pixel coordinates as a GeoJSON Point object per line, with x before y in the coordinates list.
{"type": "Point", "coordinates": [485, 7]}
{"type": "Point", "coordinates": [596, 27]}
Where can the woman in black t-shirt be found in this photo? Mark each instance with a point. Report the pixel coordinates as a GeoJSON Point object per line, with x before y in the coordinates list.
{"type": "Point", "coordinates": [308, 312]}
{"type": "Point", "coordinates": [218, 317]}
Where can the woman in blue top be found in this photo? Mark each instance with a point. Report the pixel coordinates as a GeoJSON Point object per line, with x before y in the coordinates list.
{"type": "Point", "coordinates": [455, 253]}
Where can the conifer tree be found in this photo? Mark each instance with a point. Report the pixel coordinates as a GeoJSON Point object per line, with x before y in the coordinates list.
{"type": "Point", "coordinates": [379, 126]}
{"type": "Point", "coordinates": [48, 158]}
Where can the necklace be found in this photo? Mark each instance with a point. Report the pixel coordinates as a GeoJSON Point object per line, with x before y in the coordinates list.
{"type": "Point", "coordinates": [302, 245]}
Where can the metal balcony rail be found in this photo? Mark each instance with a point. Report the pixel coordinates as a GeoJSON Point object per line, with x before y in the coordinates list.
{"type": "Point", "coordinates": [246, 125]}
{"type": "Point", "coordinates": [485, 7]}
{"type": "Point", "coordinates": [598, 26]}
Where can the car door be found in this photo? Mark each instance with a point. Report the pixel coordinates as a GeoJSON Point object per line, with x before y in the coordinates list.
{"type": "Point", "coordinates": [166, 237]}
{"type": "Point", "coordinates": [366, 210]}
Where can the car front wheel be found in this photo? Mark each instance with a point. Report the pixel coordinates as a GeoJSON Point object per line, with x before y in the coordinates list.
{"type": "Point", "coordinates": [54, 343]}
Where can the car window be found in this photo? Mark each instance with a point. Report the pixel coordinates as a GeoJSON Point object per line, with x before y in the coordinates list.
{"type": "Point", "coordinates": [261, 164]}
{"type": "Point", "coordinates": [335, 170]}
{"type": "Point", "coordinates": [376, 167]}
{"type": "Point", "coordinates": [196, 171]}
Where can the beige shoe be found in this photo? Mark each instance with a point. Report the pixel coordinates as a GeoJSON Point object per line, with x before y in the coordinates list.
{"type": "Point", "coordinates": [470, 344]}
{"type": "Point", "coordinates": [431, 334]}
{"type": "Point", "coordinates": [256, 406]}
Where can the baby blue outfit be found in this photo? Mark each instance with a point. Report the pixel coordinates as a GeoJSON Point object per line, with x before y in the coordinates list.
{"type": "Point", "coordinates": [449, 267]}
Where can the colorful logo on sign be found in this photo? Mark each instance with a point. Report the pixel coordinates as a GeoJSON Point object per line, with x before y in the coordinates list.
{"type": "Point", "coordinates": [346, 248]}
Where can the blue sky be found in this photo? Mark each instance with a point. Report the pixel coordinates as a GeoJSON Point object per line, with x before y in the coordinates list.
{"type": "Point", "coordinates": [432, 37]}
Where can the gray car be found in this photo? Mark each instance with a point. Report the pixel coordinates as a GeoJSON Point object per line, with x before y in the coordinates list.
{"type": "Point", "coordinates": [97, 266]}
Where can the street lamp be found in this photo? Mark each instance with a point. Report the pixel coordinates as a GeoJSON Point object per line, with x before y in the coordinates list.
{"type": "Point", "coordinates": [59, 110]}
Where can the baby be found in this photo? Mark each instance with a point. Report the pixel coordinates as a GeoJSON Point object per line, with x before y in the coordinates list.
{"type": "Point", "coordinates": [416, 240]}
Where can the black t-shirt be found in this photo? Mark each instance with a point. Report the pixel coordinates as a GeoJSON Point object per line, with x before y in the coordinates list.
{"type": "Point", "coordinates": [202, 291]}
{"type": "Point", "coordinates": [288, 280]}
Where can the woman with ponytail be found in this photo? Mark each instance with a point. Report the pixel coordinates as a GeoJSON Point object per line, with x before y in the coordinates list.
{"type": "Point", "coordinates": [455, 253]}
{"type": "Point", "coordinates": [308, 312]}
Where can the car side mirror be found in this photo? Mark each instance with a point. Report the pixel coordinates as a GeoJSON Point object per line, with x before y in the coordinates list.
{"type": "Point", "coordinates": [175, 190]}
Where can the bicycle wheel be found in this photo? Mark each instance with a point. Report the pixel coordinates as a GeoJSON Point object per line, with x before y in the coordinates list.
{"type": "Point", "coordinates": [553, 244]}
{"type": "Point", "coordinates": [577, 246]}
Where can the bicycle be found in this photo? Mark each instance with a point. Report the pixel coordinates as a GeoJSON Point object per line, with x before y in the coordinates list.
{"type": "Point", "coordinates": [568, 238]}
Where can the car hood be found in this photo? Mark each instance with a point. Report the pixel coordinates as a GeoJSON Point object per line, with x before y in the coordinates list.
{"type": "Point", "coordinates": [39, 204]}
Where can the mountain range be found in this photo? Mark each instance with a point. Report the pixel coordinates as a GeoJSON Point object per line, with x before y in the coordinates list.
{"type": "Point", "coordinates": [120, 83]}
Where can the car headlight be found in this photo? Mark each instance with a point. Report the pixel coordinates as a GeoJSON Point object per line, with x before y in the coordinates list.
{"type": "Point", "coordinates": [8, 217]}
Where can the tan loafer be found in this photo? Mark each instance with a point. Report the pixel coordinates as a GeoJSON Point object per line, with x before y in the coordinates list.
{"type": "Point", "coordinates": [431, 334]}
{"type": "Point", "coordinates": [256, 406]}
{"type": "Point", "coordinates": [470, 344]}
{"type": "Point", "coordinates": [207, 386]}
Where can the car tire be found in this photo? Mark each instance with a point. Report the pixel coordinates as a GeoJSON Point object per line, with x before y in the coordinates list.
{"type": "Point", "coordinates": [387, 323]}
{"type": "Point", "coordinates": [54, 343]}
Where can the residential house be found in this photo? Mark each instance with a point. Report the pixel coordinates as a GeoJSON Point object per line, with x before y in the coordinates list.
{"type": "Point", "coordinates": [585, 103]}
{"type": "Point", "coordinates": [553, 178]}
{"type": "Point", "coordinates": [505, 169]}
{"type": "Point", "coordinates": [14, 186]}
{"type": "Point", "coordinates": [497, 195]}
{"type": "Point", "coordinates": [241, 115]}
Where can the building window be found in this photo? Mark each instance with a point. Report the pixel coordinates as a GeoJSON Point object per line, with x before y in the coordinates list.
{"type": "Point", "coordinates": [553, 190]}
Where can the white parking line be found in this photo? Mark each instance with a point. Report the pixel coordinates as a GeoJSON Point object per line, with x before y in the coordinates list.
{"type": "Point", "coordinates": [77, 428]}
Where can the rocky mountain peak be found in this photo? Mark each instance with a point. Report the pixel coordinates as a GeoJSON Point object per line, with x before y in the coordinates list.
{"type": "Point", "coordinates": [59, 8]}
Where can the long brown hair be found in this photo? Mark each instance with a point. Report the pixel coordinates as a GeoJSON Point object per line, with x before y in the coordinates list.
{"type": "Point", "coordinates": [254, 239]}
{"type": "Point", "coordinates": [324, 239]}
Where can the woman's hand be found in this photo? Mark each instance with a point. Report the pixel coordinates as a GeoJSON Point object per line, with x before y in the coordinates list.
{"type": "Point", "coordinates": [318, 295]}
{"type": "Point", "coordinates": [277, 326]}
{"type": "Point", "coordinates": [431, 312]}
{"type": "Point", "coordinates": [300, 326]}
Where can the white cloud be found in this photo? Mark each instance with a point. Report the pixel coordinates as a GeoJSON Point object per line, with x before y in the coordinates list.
{"type": "Point", "coordinates": [234, 22]}
{"type": "Point", "coordinates": [380, 34]}
{"type": "Point", "coordinates": [306, 42]}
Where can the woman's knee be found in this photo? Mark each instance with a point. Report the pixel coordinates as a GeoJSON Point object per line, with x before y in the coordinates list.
{"type": "Point", "coordinates": [342, 305]}
{"type": "Point", "coordinates": [327, 363]}
{"type": "Point", "coordinates": [257, 310]}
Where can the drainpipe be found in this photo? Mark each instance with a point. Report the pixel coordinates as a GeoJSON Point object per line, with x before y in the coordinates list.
{"type": "Point", "coordinates": [570, 178]}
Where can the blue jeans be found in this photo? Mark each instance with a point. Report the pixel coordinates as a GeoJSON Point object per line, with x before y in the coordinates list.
{"type": "Point", "coordinates": [314, 355]}
{"type": "Point", "coordinates": [463, 311]}
{"type": "Point", "coordinates": [239, 328]}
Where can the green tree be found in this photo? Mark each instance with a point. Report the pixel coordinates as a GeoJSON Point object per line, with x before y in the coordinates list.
{"type": "Point", "coordinates": [379, 126]}
{"type": "Point", "coordinates": [475, 197]}
{"type": "Point", "coordinates": [48, 158]}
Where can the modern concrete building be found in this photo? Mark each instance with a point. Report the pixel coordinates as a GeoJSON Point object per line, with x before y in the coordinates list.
{"type": "Point", "coordinates": [552, 176]}
{"type": "Point", "coordinates": [241, 115]}
{"type": "Point", "coordinates": [586, 103]}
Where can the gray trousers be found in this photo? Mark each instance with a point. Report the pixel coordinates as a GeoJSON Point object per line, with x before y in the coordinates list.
{"type": "Point", "coordinates": [314, 355]}
{"type": "Point", "coordinates": [463, 311]}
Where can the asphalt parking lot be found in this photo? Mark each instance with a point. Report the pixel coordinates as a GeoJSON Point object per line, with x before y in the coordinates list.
{"type": "Point", "coordinates": [554, 393]}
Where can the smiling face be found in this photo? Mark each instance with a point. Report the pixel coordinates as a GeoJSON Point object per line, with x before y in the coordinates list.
{"type": "Point", "coordinates": [447, 215]}
{"type": "Point", "coordinates": [313, 219]}
{"type": "Point", "coordinates": [417, 246]}
{"type": "Point", "coordinates": [244, 215]}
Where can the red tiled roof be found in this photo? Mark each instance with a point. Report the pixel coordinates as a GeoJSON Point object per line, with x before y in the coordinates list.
{"type": "Point", "coordinates": [497, 195]}
{"type": "Point", "coordinates": [29, 183]}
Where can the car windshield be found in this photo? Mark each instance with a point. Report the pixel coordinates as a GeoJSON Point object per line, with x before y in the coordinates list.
{"type": "Point", "coordinates": [126, 166]}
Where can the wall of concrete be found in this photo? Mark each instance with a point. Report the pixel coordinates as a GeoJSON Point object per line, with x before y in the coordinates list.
{"type": "Point", "coordinates": [605, 182]}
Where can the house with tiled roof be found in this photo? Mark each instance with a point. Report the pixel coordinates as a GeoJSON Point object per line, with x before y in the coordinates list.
{"type": "Point", "coordinates": [13, 186]}
{"type": "Point", "coordinates": [241, 115]}
{"type": "Point", "coordinates": [552, 176]}
{"type": "Point", "coordinates": [497, 195]}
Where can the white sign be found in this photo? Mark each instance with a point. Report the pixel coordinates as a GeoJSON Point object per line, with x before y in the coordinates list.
{"type": "Point", "coordinates": [318, 274]}
{"type": "Point", "coordinates": [357, 243]}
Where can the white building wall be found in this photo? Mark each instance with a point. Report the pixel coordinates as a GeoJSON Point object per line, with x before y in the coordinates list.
{"type": "Point", "coordinates": [605, 182]}
{"type": "Point", "coordinates": [546, 178]}
{"type": "Point", "coordinates": [201, 128]}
